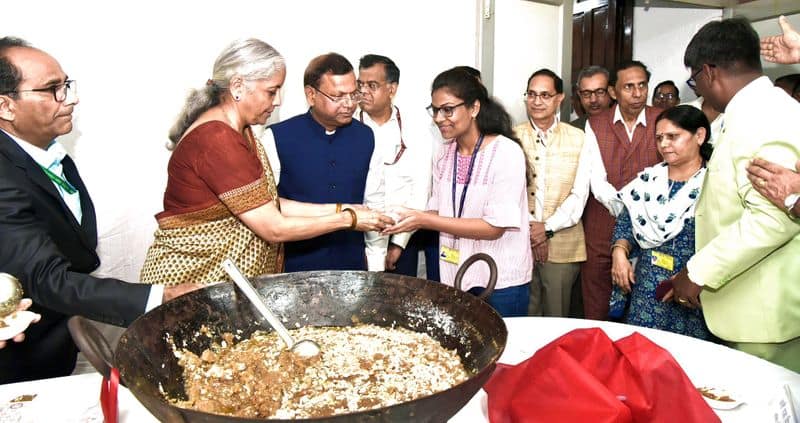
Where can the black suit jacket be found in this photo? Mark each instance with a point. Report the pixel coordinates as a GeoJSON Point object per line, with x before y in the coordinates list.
{"type": "Point", "coordinates": [52, 254]}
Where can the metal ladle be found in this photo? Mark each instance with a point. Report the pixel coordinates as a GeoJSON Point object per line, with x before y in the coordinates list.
{"type": "Point", "coordinates": [305, 348]}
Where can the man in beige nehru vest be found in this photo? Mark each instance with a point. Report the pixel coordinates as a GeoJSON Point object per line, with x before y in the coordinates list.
{"type": "Point", "coordinates": [558, 186]}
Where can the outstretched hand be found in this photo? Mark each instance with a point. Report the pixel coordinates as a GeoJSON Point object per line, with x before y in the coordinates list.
{"type": "Point", "coordinates": [406, 220]}
{"type": "Point", "coordinates": [371, 220]}
{"type": "Point", "coordinates": [784, 48]}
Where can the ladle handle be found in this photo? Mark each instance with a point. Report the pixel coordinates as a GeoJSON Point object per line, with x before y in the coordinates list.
{"type": "Point", "coordinates": [492, 273]}
{"type": "Point", "coordinates": [250, 292]}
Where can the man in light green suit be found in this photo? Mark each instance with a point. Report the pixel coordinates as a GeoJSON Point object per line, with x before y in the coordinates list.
{"type": "Point", "coordinates": [746, 268]}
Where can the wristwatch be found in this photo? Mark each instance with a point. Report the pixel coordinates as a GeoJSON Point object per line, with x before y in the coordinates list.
{"type": "Point", "coordinates": [549, 234]}
{"type": "Point", "coordinates": [790, 201]}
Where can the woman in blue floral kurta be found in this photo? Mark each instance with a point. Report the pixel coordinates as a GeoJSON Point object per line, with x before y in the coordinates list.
{"type": "Point", "coordinates": [657, 224]}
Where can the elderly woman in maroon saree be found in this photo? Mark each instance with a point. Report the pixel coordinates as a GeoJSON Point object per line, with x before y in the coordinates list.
{"type": "Point", "coordinates": [221, 200]}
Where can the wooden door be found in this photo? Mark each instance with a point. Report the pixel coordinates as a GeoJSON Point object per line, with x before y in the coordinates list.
{"type": "Point", "coordinates": [602, 33]}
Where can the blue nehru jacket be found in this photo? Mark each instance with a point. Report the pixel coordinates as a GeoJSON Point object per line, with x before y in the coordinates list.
{"type": "Point", "coordinates": [320, 168]}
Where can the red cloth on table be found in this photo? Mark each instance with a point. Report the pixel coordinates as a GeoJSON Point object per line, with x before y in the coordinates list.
{"type": "Point", "coordinates": [584, 376]}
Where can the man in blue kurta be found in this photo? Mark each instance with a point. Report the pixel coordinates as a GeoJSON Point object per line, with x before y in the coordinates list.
{"type": "Point", "coordinates": [324, 156]}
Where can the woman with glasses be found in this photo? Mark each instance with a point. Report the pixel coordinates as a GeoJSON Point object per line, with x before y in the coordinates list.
{"type": "Point", "coordinates": [478, 201]}
{"type": "Point", "coordinates": [657, 225]}
{"type": "Point", "coordinates": [221, 200]}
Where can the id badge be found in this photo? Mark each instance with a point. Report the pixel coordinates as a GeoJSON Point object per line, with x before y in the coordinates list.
{"type": "Point", "coordinates": [664, 261]}
{"type": "Point", "coordinates": [448, 255]}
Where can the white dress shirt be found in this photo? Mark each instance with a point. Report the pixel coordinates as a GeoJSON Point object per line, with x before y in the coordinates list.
{"type": "Point", "coordinates": [373, 194]}
{"type": "Point", "coordinates": [569, 212]}
{"type": "Point", "coordinates": [604, 192]}
{"type": "Point", "coordinates": [405, 182]}
{"type": "Point", "coordinates": [50, 159]}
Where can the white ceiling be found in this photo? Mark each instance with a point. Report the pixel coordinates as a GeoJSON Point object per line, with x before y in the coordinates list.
{"type": "Point", "coordinates": [752, 9]}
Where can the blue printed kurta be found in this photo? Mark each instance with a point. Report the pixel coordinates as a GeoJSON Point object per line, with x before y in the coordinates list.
{"type": "Point", "coordinates": [645, 310]}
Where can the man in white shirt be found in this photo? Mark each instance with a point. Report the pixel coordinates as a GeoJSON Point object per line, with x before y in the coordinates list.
{"type": "Point", "coordinates": [558, 186]}
{"type": "Point", "coordinates": [403, 155]}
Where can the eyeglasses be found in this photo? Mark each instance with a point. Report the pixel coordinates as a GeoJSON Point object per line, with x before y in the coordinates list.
{"type": "Point", "coordinates": [532, 95]}
{"type": "Point", "coordinates": [446, 110]}
{"type": "Point", "coordinates": [370, 86]}
{"type": "Point", "coordinates": [59, 91]}
{"type": "Point", "coordinates": [665, 96]}
{"type": "Point", "coordinates": [600, 92]}
{"type": "Point", "coordinates": [353, 97]}
{"type": "Point", "coordinates": [691, 82]}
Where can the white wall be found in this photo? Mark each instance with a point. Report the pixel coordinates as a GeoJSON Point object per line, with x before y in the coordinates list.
{"type": "Point", "coordinates": [660, 37]}
{"type": "Point", "coordinates": [770, 27]}
{"type": "Point", "coordinates": [135, 61]}
{"type": "Point", "coordinates": [527, 38]}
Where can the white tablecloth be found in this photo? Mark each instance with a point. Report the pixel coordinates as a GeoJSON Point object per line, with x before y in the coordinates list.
{"type": "Point", "coordinates": [75, 398]}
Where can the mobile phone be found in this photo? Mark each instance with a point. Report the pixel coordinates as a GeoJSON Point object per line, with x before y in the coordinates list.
{"type": "Point", "coordinates": [663, 288]}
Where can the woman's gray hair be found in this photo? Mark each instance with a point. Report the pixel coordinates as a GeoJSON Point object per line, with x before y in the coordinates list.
{"type": "Point", "coordinates": [249, 58]}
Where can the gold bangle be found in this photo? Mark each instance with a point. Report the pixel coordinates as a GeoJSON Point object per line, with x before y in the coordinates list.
{"type": "Point", "coordinates": [627, 251]}
{"type": "Point", "coordinates": [353, 216]}
{"type": "Point", "coordinates": [338, 207]}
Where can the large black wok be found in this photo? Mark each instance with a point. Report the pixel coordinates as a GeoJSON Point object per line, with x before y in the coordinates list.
{"type": "Point", "coordinates": [456, 319]}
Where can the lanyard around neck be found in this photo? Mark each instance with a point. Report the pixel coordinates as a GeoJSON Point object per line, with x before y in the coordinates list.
{"type": "Point", "coordinates": [457, 213]}
{"type": "Point", "coordinates": [61, 182]}
{"type": "Point", "coordinates": [400, 126]}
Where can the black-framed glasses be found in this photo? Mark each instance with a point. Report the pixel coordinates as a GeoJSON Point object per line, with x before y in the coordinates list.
{"type": "Point", "coordinates": [533, 95]}
{"type": "Point", "coordinates": [447, 111]}
{"type": "Point", "coordinates": [370, 86]}
{"type": "Point", "coordinates": [60, 91]}
{"type": "Point", "coordinates": [600, 92]}
{"type": "Point", "coordinates": [692, 82]}
{"type": "Point", "coordinates": [354, 97]}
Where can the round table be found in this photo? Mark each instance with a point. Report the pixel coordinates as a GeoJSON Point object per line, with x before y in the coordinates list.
{"type": "Point", "coordinates": [75, 398]}
{"type": "Point", "coordinates": [752, 379]}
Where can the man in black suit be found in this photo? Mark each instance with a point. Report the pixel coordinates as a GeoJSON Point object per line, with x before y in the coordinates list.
{"type": "Point", "coordinates": [48, 231]}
